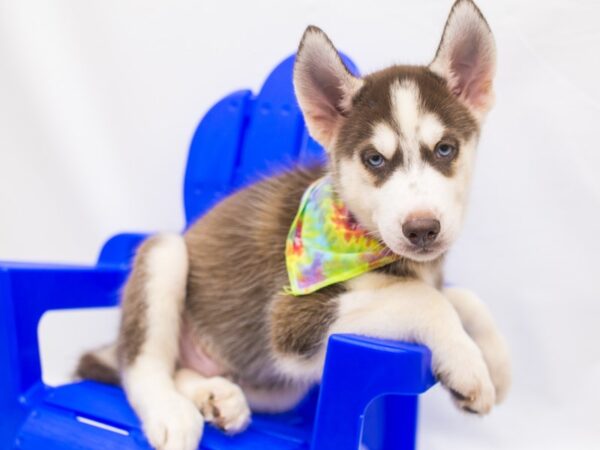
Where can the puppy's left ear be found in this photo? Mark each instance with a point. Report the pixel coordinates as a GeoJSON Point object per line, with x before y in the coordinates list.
{"type": "Point", "coordinates": [324, 86]}
{"type": "Point", "coordinates": [466, 57]}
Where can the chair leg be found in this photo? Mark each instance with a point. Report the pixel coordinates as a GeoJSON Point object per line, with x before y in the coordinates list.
{"type": "Point", "coordinates": [12, 412]}
{"type": "Point", "coordinates": [362, 373]}
{"type": "Point", "coordinates": [390, 423]}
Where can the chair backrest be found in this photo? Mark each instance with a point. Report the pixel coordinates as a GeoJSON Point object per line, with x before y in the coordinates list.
{"type": "Point", "coordinates": [244, 137]}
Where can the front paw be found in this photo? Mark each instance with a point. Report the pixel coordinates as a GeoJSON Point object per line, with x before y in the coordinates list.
{"type": "Point", "coordinates": [464, 373]}
{"type": "Point", "coordinates": [175, 424]}
{"type": "Point", "coordinates": [478, 323]}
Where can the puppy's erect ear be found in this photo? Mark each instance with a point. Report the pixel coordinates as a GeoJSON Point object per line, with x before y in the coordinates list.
{"type": "Point", "coordinates": [324, 86]}
{"type": "Point", "coordinates": [466, 57]}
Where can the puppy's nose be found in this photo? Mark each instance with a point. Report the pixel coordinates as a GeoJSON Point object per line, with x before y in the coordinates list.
{"type": "Point", "coordinates": [421, 231]}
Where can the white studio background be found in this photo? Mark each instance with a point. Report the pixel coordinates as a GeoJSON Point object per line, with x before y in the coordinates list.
{"type": "Point", "coordinates": [98, 102]}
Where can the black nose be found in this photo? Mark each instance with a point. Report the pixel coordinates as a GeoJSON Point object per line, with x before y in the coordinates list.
{"type": "Point", "coordinates": [421, 231]}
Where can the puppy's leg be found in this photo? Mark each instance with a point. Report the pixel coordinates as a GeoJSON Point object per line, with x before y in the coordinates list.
{"type": "Point", "coordinates": [478, 323]}
{"type": "Point", "coordinates": [221, 401]}
{"type": "Point", "coordinates": [148, 344]}
{"type": "Point", "coordinates": [414, 311]}
{"type": "Point", "coordinates": [402, 310]}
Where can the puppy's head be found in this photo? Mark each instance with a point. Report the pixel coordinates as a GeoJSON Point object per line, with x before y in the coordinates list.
{"type": "Point", "coordinates": [402, 141]}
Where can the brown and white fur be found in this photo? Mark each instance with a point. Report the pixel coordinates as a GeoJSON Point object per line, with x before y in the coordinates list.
{"type": "Point", "coordinates": [207, 331]}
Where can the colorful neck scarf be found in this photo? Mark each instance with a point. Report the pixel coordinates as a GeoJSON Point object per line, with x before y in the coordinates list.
{"type": "Point", "coordinates": [326, 245]}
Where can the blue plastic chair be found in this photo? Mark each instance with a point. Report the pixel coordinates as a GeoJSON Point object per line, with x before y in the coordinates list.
{"type": "Point", "coordinates": [370, 387]}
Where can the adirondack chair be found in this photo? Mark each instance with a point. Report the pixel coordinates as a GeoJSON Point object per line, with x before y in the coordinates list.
{"type": "Point", "coordinates": [370, 387]}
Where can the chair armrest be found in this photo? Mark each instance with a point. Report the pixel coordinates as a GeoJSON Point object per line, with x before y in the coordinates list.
{"type": "Point", "coordinates": [27, 291]}
{"type": "Point", "coordinates": [357, 371]}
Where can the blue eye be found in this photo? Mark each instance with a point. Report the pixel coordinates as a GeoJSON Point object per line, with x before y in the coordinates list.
{"type": "Point", "coordinates": [375, 160]}
{"type": "Point", "coordinates": [444, 151]}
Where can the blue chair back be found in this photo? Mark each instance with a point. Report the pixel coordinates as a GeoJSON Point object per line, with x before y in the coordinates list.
{"type": "Point", "coordinates": [244, 137]}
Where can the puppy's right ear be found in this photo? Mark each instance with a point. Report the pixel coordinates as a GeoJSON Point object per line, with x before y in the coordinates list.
{"type": "Point", "coordinates": [466, 57]}
{"type": "Point", "coordinates": [324, 86]}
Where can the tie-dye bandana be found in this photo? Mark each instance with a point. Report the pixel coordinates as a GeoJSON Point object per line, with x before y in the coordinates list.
{"type": "Point", "coordinates": [326, 245]}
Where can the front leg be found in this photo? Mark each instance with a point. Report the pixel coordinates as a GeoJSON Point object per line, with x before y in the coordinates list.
{"type": "Point", "coordinates": [478, 323]}
{"type": "Point", "coordinates": [381, 306]}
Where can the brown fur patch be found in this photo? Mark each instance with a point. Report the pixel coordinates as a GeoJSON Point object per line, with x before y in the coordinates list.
{"type": "Point", "coordinates": [237, 270]}
{"type": "Point", "coordinates": [90, 367]}
{"type": "Point", "coordinates": [299, 324]}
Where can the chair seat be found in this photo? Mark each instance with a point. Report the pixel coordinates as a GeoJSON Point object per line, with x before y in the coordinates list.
{"type": "Point", "coordinates": [89, 415]}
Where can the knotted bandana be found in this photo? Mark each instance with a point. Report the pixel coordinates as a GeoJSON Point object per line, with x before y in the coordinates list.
{"type": "Point", "coordinates": [326, 245]}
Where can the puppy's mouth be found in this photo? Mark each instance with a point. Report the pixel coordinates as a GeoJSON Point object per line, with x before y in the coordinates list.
{"type": "Point", "coordinates": [425, 253]}
{"type": "Point", "coordinates": [418, 253]}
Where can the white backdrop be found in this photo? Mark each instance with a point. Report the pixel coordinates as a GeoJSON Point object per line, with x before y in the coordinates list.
{"type": "Point", "coordinates": [98, 101]}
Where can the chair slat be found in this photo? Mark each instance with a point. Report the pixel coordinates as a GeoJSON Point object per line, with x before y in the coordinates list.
{"type": "Point", "coordinates": [214, 153]}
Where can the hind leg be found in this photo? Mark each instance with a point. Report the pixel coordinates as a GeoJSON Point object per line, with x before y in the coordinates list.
{"type": "Point", "coordinates": [221, 401]}
{"type": "Point", "coordinates": [148, 344]}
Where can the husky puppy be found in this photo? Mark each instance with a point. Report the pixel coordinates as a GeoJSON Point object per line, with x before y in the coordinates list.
{"type": "Point", "coordinates": [207, 329]}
